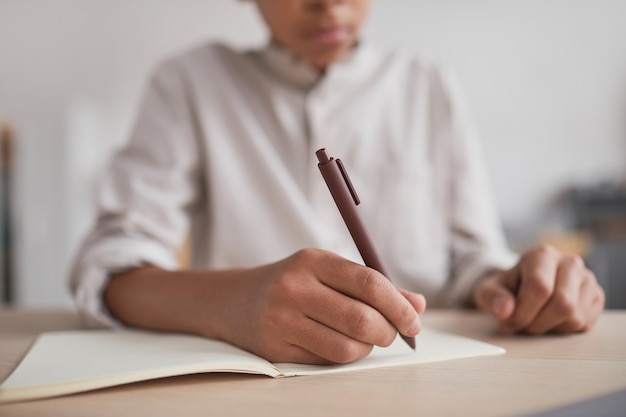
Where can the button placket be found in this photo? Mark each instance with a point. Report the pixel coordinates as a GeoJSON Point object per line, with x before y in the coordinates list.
{"type": "Point", "coordinates": [320, 198]}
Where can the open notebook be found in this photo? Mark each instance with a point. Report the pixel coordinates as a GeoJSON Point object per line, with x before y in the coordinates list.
{"type": "Point", "coordinates": [62, 363]}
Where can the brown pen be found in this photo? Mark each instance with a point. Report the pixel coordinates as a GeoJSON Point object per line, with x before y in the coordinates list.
{"type": "Point", "coordinates": [346, 199]}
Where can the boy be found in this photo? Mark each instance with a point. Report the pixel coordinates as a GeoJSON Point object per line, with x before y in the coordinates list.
{"type": "Point", "coordinates": [224, 146]}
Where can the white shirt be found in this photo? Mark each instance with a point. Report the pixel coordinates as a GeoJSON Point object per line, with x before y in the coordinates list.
{"type": "Point", "coordinates": [224, 148]}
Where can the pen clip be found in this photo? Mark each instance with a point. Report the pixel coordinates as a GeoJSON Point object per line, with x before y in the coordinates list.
{"type": "Point", "coordinates": [344, 174]}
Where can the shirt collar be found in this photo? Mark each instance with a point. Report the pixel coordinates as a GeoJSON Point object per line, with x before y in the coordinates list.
{"type": "Point", "coordinates": [287, 66]}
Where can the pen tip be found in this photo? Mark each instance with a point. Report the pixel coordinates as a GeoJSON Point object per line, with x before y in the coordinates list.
{"type": "Point", "coordinates": [410, 341]}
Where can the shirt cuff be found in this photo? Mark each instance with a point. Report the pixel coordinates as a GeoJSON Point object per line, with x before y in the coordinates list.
{"type": "Point", "coordinates": [98, 263]}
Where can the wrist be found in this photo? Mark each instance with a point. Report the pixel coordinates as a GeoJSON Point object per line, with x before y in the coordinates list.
{"type": "Point", "coordinates": [182, 301]}
{"type": "Point", "coordinates": [217, 305]}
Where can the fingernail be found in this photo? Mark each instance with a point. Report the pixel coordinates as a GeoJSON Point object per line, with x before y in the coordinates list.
{"type": "Point", "coordinates": [415, 327]}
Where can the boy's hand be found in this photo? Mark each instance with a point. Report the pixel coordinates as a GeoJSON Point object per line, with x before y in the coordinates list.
{"type": "Point", "coordinates": [316, 307]}
{"type": "Point", "coordinates": [546, 291]}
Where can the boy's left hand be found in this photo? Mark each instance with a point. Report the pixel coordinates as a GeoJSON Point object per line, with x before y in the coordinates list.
{"type": "Point", "coordinates": [547, 291]}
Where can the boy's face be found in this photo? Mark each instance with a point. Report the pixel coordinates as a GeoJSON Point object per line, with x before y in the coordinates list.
{"type": "Point", "coordinates": [318, 31]}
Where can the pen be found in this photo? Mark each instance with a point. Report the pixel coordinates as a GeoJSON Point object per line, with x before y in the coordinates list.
{"type": "Point", "coordinates": [346, 199]}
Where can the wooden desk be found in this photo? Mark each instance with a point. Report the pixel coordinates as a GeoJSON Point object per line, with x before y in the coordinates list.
{"type": "Point", "coordinates": [535, 373]}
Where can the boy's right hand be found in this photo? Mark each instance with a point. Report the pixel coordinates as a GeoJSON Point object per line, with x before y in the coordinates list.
{"type": "Point", "coordinates": [313, 307]}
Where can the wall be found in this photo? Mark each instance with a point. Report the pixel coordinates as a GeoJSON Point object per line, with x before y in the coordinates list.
{"type": "Point", "coordinates": [546, 82]}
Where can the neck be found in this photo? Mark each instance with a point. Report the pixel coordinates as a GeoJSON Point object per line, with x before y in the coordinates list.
{"type": "Point", "coordinates": [321, 67]}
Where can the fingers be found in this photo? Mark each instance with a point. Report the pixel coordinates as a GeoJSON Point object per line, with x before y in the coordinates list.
{"type": "Point", "coordinates": [564, 303]}
{"type": "Point", "coordinates": [311, 337]}
{"type": "Point", "coordinates": [348, 316]}
{"type": "Point", "coordinates": [372, 288]}
{"type": "Point", "coordinates": [493, 297]}
{"type": "Point", "coordinates": [555, 293]}
{"type": "Point", "coordinates": [354, 318]}
{"type": "Point", "coordinates": [312, 343]}
{"type": "Point", "coordinates": [538, 270]}
{"type": "Point", "coordinates": [591, 305]}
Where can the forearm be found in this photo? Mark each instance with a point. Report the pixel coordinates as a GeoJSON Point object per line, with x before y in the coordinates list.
{"type": "Point", "coordinates": [182, 301]}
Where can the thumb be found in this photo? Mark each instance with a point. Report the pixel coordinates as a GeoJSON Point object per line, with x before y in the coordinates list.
{"type": "Point", "coordinates": [493, 297]}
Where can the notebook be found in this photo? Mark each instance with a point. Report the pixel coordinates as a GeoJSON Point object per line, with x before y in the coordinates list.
{"type": "Point", "coordinates": [61, 363]}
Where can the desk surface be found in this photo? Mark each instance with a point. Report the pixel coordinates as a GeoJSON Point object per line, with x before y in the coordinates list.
{"type": "Point", "coordinates": [536, 373]}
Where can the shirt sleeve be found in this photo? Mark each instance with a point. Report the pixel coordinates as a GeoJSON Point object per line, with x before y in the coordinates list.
{"type": "Point", "coordinates": [477, 241]}
{"type": "Point", "coordinates": [145, 198]}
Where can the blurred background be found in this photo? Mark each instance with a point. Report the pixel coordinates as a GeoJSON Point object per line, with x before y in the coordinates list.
{"type": "Point", "coordinates": [546, 82]}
